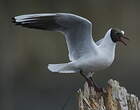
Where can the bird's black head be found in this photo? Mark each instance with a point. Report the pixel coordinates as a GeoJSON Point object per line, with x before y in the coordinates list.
{"type": "Point", "coordinates": [117, 35]}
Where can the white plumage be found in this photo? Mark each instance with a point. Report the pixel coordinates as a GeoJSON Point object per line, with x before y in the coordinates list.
{"type": "Point", "coordinates": [85, 55]}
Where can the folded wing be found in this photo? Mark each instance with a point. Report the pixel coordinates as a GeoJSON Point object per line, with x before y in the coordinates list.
{"type": "Point", "coordinates": [77, 30]}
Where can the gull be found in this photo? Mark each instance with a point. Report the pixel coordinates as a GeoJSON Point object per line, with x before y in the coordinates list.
{"type": "Point", "coordinates": [86, 56]}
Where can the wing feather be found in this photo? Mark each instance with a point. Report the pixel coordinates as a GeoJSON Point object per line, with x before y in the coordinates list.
{"type": "Point", "coordinates": [77, 30]}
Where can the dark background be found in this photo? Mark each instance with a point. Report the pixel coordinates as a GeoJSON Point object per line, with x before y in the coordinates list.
{"type": "Point", "coordinates": [26, 83]}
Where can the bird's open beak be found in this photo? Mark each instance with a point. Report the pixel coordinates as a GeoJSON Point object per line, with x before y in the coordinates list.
{"type": "Point", "coordinates": [122, 39]}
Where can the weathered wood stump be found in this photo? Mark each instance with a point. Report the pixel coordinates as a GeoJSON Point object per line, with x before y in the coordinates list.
{"type": "Point", "coordinates": [113, 97]}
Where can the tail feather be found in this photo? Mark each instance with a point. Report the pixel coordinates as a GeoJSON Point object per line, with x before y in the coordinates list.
{"type": "Point", "coordinates": [62, 68]}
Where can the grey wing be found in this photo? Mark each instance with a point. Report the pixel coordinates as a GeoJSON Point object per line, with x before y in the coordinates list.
{"type": "Point", "coordinates": [77, 30]}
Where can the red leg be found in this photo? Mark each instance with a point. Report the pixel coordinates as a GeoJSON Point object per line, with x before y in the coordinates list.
{"type": "Point", "coordinates": [91, 82]}
{"type": "Point", "coordinates": [87, 79]}
{"type": "Point", "coordinates": [97, 88]}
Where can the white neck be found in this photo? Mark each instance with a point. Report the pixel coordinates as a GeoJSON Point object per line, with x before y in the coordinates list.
{"type": "Point", "coordinates": [107, 43]}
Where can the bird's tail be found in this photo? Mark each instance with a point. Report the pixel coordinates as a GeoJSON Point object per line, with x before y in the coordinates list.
{"type": "Point", "coordinates": [62, 68]}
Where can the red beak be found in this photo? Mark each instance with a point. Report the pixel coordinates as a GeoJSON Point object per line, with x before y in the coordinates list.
{"type": "Point", "coordinates": [121, 39]}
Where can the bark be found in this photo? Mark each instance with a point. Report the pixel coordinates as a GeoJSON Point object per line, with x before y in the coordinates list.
{"type": "Point", "coordinates": [113, 97]}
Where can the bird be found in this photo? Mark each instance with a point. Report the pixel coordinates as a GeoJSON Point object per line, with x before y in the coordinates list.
{"type": "Point", "coordinates": [86, 56]}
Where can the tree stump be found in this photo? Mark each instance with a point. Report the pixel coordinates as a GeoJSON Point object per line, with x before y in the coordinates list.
{"type": "Point", "coordinates": [113, 97]}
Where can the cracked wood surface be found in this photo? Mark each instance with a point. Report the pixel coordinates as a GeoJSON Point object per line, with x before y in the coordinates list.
{"type": "Point", "coordinates": [113, 97]}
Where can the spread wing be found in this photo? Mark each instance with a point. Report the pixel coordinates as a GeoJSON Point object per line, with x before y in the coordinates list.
{"type": "Point", "coordinates": [77, 30]}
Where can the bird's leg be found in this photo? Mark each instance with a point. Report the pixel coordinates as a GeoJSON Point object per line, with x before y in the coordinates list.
{"type": "Point", "coordinates": [89, 81]}
{"type": "Point", "coordinates": [97, 88]}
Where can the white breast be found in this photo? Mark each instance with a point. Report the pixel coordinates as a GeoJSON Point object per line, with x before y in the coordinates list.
{"type": "Point", "coordinates": [93, 63]}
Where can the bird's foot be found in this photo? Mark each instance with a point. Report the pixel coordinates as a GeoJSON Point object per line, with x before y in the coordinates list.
{"type": "Point", "coordinates": [96, 87]}
{"type": "Point", "coordinates": [90, 83]}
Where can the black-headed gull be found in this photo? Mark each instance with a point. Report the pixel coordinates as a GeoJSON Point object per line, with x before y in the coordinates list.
{"type": "Point", "coordinates": [86, 56]}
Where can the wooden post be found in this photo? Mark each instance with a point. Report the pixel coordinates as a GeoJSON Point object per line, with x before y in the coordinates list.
{"type": "Point", "coordinates": [113, 97]}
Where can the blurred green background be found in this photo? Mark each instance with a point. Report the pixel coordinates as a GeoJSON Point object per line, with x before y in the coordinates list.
{"type": "Point", "coordinates": [26, 83]}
